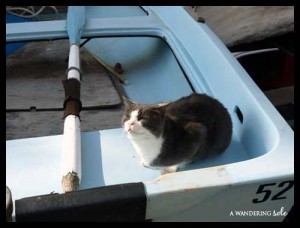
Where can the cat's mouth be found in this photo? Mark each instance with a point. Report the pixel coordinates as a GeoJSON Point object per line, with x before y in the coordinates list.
{"type": "Point", "coordinates": [132, 132]}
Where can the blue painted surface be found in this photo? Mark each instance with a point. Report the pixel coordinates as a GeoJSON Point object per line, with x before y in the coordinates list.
{"type": "Point", "coordinates": [92, 168]}
{"type": "Point", "coordinates": [33, 166]}
{"type": "Point", "coordinates": [155, 76]}
{"type": "Point", "coordinates": [75, 23]}
{"type": "Point", "coordinates": [149, 65]}
{"type": "Point", "coordinates": [108, 158]}
{"type": "Point", "coordinates": [10, 48]}
{"type": "Point", "coordinates": [234, 153]}
{"type": "Point", "coordinates": [262, 146]}
{"type": "Point", "coordinates": [114, 11]}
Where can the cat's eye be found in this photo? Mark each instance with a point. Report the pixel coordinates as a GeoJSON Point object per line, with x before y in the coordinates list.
{"type": "Point", "coordinates": [141, 115]}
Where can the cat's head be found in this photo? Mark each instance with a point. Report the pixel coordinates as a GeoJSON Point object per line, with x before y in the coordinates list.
{"type": "Point", "coordinates": [143, 119]}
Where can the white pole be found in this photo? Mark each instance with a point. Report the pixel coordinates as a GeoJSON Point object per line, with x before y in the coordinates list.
{"type": "Point", "coordinates": [71, 153]}
{"type": "Point", "coordinates": [74, 61]}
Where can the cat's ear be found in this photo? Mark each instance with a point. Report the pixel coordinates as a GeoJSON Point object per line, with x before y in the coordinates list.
{"type": "Point", "coordinates": [128, 103]}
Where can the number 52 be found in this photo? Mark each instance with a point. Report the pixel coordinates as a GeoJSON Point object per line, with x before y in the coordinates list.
{"type": "Point", "coordinates": [267, 193]}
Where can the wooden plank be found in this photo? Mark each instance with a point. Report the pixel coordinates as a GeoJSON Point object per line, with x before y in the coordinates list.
{"type": "Point", "coordinates": [280, 96]}
{"type": "Point", "coordinates": [34, 77]}
{"type": "Point", "coordinates": [46, 123]}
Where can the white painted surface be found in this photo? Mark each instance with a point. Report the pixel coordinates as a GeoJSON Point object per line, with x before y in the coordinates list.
{"type": "Point", "coordinates": [223, 203]}
{"type": "Point", "coordinates": [71, 150]}
{"type": "Point", "coordinates": [210, 194]}
{"type": "Point", "coordinates": [174, 193]}
{"type": "Point", "coordinates": [74, 61]}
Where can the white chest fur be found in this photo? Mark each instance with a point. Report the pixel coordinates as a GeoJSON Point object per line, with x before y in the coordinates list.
{"type": "Point", "coordinates": [148, 147]}
{"type": "Point", "coordinates": [146, 144]}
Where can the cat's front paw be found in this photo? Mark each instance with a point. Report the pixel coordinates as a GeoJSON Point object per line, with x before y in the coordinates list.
{"type": "Point", "coordinates": [163, 172]}
{"type": "Point", "coordinates": [169, 169]}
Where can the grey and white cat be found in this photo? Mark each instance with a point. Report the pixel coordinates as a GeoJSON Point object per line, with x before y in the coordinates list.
{"type": "Point", "coordinates": [169, 135]}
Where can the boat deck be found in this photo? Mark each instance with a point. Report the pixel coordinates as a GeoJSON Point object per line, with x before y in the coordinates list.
{"type": "Point", "coordinates": [34, 109]}
{"type": "Point", "coordinates": [34, 92]}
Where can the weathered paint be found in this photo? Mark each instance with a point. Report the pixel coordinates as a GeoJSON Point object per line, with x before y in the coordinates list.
{"type": "Point", "coordinates": [184, 190]}
{"type": "Point", "coordinates": [71, 154]}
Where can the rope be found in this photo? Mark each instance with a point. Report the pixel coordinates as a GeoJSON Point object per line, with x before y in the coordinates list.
{"type": "Point", "coordinates": [29, 10]}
